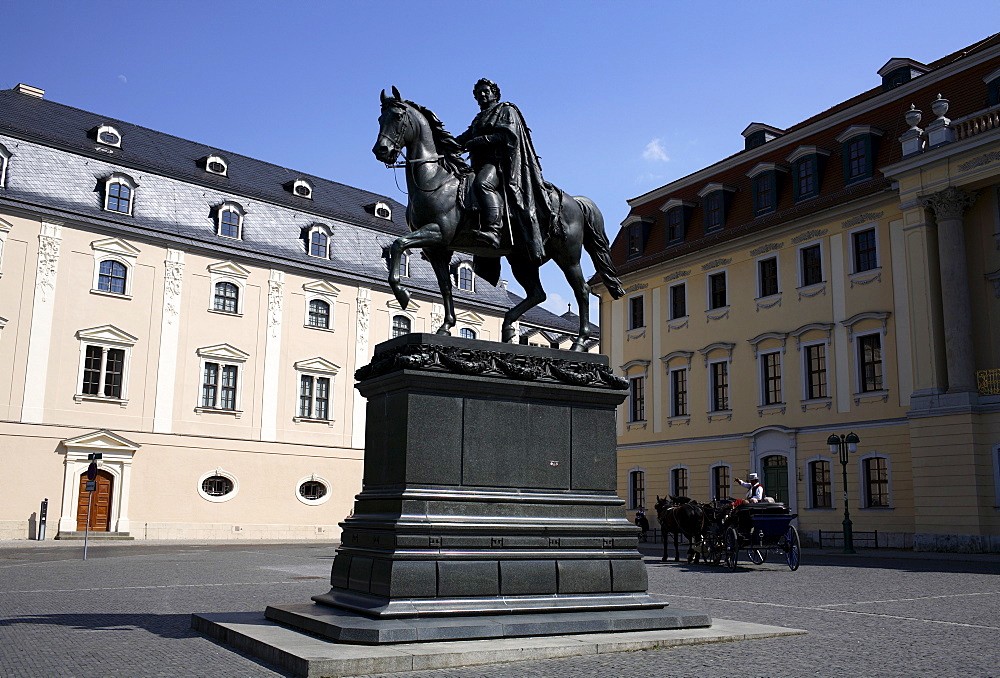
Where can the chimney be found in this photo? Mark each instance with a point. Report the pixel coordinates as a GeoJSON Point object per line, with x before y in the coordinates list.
{"type": "Point", "coordinates": [29, 90]}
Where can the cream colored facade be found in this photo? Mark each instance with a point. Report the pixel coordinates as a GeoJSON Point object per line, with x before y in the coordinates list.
{"type": "Point", "coordinates": [927, 471]}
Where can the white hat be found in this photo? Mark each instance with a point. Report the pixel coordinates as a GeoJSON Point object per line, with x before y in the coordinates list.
{"type": "Point", "coordinates": [753, 476]}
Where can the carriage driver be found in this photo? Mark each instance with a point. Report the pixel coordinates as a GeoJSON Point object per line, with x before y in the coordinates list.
{"type": "Point", "coordinates": [755, 491]}
{"type": "Point", "coordinates": [503, 157]}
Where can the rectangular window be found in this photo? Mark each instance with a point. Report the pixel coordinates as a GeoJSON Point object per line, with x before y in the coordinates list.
{"type": "Point", "coordinates": [857, 158]}
{"type": "Point", "coordinates": [678, 393]}
{"type": "Point", "coordinates": [865, 251]}
{"type": "Point", "coordinates": [713, 212]}
{"type": "Point", "coordinates": [812, 265]}
{"type": "Point", "coordinates": [717, 291]}
{"type": "Point", "coordinates": [228, 393]}
{"type": "Point", "coordinates": [870, 360]}
{"type": "Point", "coordinates": [816, 371]}
{"type": "Point", "coordinates": [634, 240]}
{"type": "Point", "coordinates": [720, 386]}
{"type": "Point", "coordinates": [805, 176]}
{"type": "Point", "coordinates": [637, 399]}
{"type": "Point", "coordinates": [679, 482]}
{"type": "Point", "coordinates": [314, 397]}
{"type": "Point", "coordinates": [675, 225]}
{"type": "Point", "coordinates": [767, 277]}
{"type": "Point", "coordinates": [819, 491]}
{"type": "Point", "coordinates": [763, 193]}
{"type": "Point", "coordinates": [637, 489]}
{"type": "Point", "coordinates": [635, 313]}
{"type": "Point", "coordinates": [210, 385]}
{"type": "Point", "coordinates": [103, 371]}
{"type": "Point", "coordinates": [770, 376]}
{"type": "Point", "coordinates": [305, 396]}
{"type": "Point", "coordinates": [218, 388]}
{"type": "Point", "coordinates": [876, 482]}
{"type": "Point", "coordinates": [678, 301]}
{"type": "Point", "coordinates": [720, 482]}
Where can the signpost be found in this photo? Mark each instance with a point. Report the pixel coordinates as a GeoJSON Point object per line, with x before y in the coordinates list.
{"type": "Point", "coordinates": [90, 488]}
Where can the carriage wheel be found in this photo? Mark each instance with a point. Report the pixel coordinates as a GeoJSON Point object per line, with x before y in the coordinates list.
{"type": "Point", "coordinates": [757, 553]}
{"type": "Point", "coordinates": [792, 548]}
{"type": "Point", "coordinates": [732, 548]}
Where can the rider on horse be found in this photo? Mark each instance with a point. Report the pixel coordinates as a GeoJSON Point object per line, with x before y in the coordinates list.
{"type": "Point", "coordinates": [507, 169]}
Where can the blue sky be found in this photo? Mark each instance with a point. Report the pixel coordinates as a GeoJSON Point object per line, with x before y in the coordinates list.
{"type": "Point", "coordinates": [621, 97]}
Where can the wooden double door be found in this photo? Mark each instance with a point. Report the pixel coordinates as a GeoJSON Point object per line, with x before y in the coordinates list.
{"type": "Point", "coordinates": [100, 514]}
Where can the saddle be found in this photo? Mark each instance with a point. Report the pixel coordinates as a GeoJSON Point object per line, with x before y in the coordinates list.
{"type": "Point", "coordinates": [469, 204]}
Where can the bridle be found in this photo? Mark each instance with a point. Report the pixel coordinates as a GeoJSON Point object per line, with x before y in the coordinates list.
{"type": "Point", "coordinates": [397, 142]}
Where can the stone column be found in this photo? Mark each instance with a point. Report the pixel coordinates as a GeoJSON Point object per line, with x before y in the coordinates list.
{"type": "Point", "coordinates": [948, 207]}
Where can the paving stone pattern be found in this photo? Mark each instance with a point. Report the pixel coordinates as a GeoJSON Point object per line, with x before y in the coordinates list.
{"type": "Point", "coordinates": [126, 612]}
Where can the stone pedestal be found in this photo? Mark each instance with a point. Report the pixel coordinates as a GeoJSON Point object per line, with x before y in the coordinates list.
{"type": "Point", "coordinates": [489, 496]}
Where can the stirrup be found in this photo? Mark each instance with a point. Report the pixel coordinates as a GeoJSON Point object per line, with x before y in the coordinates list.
{"type": "Point", "coordinates": [488, 237]}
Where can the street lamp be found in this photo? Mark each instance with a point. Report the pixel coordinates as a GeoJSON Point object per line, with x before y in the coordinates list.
{"type": "Point", "coordinates": [845, 445]}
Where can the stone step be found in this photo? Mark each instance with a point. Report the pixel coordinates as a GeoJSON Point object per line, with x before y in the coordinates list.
{"type": "Point", "coordinates": [98, 536]}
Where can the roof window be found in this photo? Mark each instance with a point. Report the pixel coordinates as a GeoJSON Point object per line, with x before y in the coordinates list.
{"type": "Point", "coordinates": [758, 134]}
{"type": "Point", "coordinates": [303, 188]}
{"type": "Point", "coordinates": [383, 211]}
{"type": "Point", "coordinates": [216, 164]}
{"type": "Point", "coordinates": [899, 71]}
{"type": "Point", "coordinates": [109, 136]}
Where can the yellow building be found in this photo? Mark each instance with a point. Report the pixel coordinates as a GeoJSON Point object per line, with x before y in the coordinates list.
{"type": "Point", "coordinates": [842, 275]}
{"type": "Point", "coordinates": [194, 316]}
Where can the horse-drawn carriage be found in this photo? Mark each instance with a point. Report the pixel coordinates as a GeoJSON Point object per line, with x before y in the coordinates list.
{"type": "Point", "coordinates": [718, 531]}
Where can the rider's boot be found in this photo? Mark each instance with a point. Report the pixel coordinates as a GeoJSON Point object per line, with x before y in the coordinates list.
{"type": "Point", "coordinates": [488, 232]}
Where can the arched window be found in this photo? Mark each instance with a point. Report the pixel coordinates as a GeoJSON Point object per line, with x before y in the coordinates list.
{"type": "Point", "coordinates": [400, 326]}
{"type": "Point", "coordinates": [319, 314]}
{"type": "Point", "coordinates": [119, 197]}
{"type": "Point", "coordinates": [112, 276]}
{"type": "Point", "coordinates": [227, 297]}
{"type": "Point", "coordinates": [229, 223]}
{"type": "Point", "coordinates": [318, 244]}
{"type": "Point", "coordinates": [404, 265]}
{"type": "Point", "coordinates": [467, 333]}
{"type": "Point", "coordinates": [465, 278]}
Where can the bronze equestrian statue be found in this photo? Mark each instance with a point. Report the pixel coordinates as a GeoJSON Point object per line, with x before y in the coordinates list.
{"type": "Point", "coordinates": [519, 215]}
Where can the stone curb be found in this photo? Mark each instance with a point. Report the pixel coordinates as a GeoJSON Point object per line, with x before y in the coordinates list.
{"type": "Point", "coordinates": [305, 655]}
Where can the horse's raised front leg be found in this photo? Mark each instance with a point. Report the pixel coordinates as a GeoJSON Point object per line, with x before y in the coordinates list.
{"type": "Point", "coordinates": [427, 235]}
{"type": "Point", "coordinates": [526, 274]}
{"type": "Point", "coordinates": [440, 260]}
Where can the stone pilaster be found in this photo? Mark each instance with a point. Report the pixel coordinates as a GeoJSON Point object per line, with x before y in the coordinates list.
{"type": "Point", "coordinates": [166, 371]}
{"type": "Point", "coordinates": [948, 207]}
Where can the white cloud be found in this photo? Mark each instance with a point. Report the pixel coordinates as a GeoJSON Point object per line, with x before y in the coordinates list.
{"type": "Point", "coordinates": [655, 152]}
{"type": "Point", "coordinates": [555, 303]}
{"type": "Point", "coordinates": [123, 78]}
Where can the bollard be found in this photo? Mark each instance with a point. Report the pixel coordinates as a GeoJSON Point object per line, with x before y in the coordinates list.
{"type": "Point", "coordinates": [42, 513]}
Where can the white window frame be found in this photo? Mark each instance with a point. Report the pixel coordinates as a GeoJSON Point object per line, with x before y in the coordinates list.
{"type": "Point", "coordinates": [299, 183]}
{"type": "Point", "coordinates": [761, 382]}
{"type": "Point", "coordinates": [230, 206]}
{"type": "Point", "coordinates": [231, 272]}
{"type": "Point", "coordinates": [708, 290]}
{"type": "Point", "coordinates": [405, 314]}
{"type": "Point", "coordinates": [628, 311]}
{"type": "Point", "coordinates": [316, 368]}
{"type": "Point", "coordinates": [711, 386]}
{"type": "Point", "coordinates": [224, 355]}
{"type": "Point", "coordinates": [671, 395]}
{"type": "Point", "coordinates": [458, 277]}
{"type": "Point", "coordinates": [321, 228]}
{"type": "Point", "coordinates": [670, 479]}
{"type": "Point", "coordinates": [863, 481]}
{"type": "Point", "coordinates": [852, 336]}
{"type": "Point", "coordinates": [809, 483]}
{"type": "Point", "coordinates": [225, 474]}
{"type": "Point", "coordinates": [711, 478]}
{"type": "Point", "coordinates": [632, 503]}
{"type": "Point", "coordinates": [106, 337]}
{"type": "Point", "coordinates": [800, 268]}
{"type": "Point", "coordinates": [379, 206]}
{"type": "Point", "coordinates": [108, 128]}
{"type": "Point", "coordinates": [404, 260]}
{"type": "Point", "coordinates": [319, 290]}
{"type": "Point", "coordinates": [825, 343]}
{"type": "Point", "coordinates": [777, 263]}
{"type": "Point", "coordinates": [475, 334]}
{"type": "Point", "coordinates": [114, 249]}
{"type": "Point", "coordinates": [5, 229]}
{"type": "Point", "coordinates": [631, 404]}
{"type": "Point", "coordinates": [317, 479]}
{"type": "Point", "coordinates": [120, 178]}
{"type": "Point", "coordinates": [219, 159]}
{"type": "Point", "coordinates": [5, 157]}
{"type": "Point", "coordinates": [878, 251]}
{"type": "Point", "coordinates": [670, 301]}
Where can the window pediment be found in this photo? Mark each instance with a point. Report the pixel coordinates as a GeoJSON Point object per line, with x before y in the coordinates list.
{"type": "Point", "coordinates": [805, 151]}
{"type": "Point", "coordinates": [318, 365]}
{"type": "Point", "coordinates": [717, 346]}
{"type": "Point", "coordinates": [321, 287]}
{"type": "Point", "coordinates": [762, 167]}
{"type": "Point", "coordinates": [471, 318]}
{"type": "Point", "coordinates": [858, 130]}
{"type": "Point", "coordinates": [765, 336]}
{"type": "Point", "coordinates": [229, 268]}
{"type": "Point", "coordinates": [107, 334]}
{"type": "Point", "coordinates": [102, 441]}
{"type": "Point", "coordinates": [410, 307]}
{"type": "Point", "coordinates": [115, 246]}
{"type": "Point", "coordinates": [224, 352]}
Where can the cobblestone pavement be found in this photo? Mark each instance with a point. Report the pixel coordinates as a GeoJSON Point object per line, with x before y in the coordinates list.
{"type": "Point", "coordinates": [126, 612]}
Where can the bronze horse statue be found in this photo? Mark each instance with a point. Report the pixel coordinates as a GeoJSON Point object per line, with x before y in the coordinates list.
{"type": "Point", "coordinates": [438, 221]}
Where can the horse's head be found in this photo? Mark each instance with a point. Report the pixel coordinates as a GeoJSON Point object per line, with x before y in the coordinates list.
{"type": "Point", "coordinates": [393, 128]}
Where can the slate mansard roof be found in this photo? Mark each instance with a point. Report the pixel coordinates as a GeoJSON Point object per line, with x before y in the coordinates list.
{"type": "Point", "coordinates": [58, 168]}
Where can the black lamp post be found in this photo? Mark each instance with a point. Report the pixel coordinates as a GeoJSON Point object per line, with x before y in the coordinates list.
{"type": "Point", "coordinates": [845, 445]}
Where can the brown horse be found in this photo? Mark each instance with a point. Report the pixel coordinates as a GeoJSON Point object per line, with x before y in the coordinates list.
{"type": "Point", "coordinates": [680, 516]}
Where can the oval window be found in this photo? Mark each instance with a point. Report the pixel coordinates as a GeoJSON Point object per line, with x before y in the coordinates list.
{"type": "Point", "coordinates": [302, 190]}
{"type": "Point", "coordinates": [217, 167]}
{"type": "Point", "coordinates": [383, 212]}
{"type": "Point", "coordinates": [312, 490]}
{"type": "Point", "coordinates": [110, 138]}
{"type": "Point", "coordinates": [217, 486]}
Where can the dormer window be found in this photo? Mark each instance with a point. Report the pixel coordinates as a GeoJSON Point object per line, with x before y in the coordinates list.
{"type": "Point", "coordinates": [992, 88]}
{"type": "Point", "coordinates": [636, 232]}
{"type": "Point", "coordinates": [216, 164]}
{"type": "Point", "coordinates": [119, 193]}
{"type": "Point", "coordinates": [302, 188]}
{"type": "Point", "coordinates": [383, 211]}
{"type": "Point", "coordinates": [229, 220]}
{"type": "Point", "coordinates": [4, 161]}
{"type": "Point", "coordinates": [678, 215]}
{"type": "Point", "coordinates": [465, 278]}
{"type": "Point", "coordinates": [318, 241]}
{"type": "Point", "coordinates": [808, 163]}
{"type": "Point", "coordinates": [758, 134]}
{"type": "Point", "coordinates": [899, 71]}
{"type": "Point", "coordinates": [859, 147]}
{"type": "Point", "coordinates": [715, 205]}
{"type": "Point", "coordinates": [764, 178]}
{"type": "Point", "coordinates": [109, 136]}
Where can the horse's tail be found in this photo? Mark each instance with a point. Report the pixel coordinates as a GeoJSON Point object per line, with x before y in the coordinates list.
{"type": "Point", "coordinates": [595, 241]}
